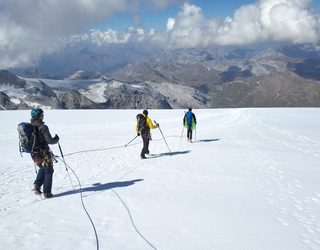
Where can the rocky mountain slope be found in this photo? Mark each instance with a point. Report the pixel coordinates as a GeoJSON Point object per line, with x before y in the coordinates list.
{"type": "Point", "coordinates": [278, 89]}
{"type": "Point", "coordinates": [207, 78]}
{"type": "Point", "coordinates": [17, 93]}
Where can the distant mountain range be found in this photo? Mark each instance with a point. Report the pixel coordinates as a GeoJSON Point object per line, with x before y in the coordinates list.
{"type": "Point", "coordinates": [141, 78]}
{"type": "Point", "coordinates": [88, 93]}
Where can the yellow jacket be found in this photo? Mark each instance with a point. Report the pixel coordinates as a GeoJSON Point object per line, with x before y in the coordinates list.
{"type": "Point", "coordinates": [149, 124]}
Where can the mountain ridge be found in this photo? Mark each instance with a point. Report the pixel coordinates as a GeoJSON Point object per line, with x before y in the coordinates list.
{"type": "Point", "coordinates": [202, 78]}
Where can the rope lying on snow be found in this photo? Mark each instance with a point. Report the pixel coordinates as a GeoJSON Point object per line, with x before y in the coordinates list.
{"type": "Point", "coordinates": [132, 220]}
{"type": "Point", "coordinates": [80, 189]}
{"type": "Point", "coordinates": [104, 149]}
{"type": "Point", "coordinates": [84, 207]}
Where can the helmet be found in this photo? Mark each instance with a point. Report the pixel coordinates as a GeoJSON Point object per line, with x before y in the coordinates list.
{"type": "Point", "coordinates": [145, 112]}
{"type": "Point", "coordinates": [36, 113]}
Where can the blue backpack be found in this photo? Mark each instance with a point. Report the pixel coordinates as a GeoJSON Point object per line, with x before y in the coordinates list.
{"type": "Point", "coordinates": [27, 137]}
{"type": "Point", "coordinates": [189, 116]}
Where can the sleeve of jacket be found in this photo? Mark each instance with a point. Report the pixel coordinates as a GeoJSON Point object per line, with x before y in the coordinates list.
{"type": "Point", "coordinates": [47, 136]}
{"type": "Point", "coordinates": [150, 124]}
{"type": "Point", "coordinates": [137, 128]}
{"type": "Point", "coordinates": [184, 120]}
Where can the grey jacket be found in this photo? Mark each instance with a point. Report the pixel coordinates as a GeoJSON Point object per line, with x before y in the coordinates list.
{"type": "Point", "coordinates": [43, 136]}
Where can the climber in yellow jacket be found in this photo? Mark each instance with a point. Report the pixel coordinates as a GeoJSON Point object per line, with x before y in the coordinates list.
{"type": "Point", "coordinates": [144, 124]}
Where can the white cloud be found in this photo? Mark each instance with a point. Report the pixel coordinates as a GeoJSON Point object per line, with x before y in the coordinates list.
{"type": "Point", "coordinates": [170, 23]}
{"type": "Point", "coordinates": [31, 28]}
{"type": "Point", "coordinates": [114, 37]}
{"type": "Point", "coordinates": [19, 46]}
{"type": "Point", "coordinates": [267, 20]}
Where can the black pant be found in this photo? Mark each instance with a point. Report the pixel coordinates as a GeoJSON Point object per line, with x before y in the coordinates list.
{"type": "Point", "coordinates": [145, 149]}
{"type": "Point", "coordinates": [189, 132]}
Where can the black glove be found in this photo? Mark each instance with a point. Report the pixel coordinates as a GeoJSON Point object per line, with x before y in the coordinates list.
{"type": "Point", "coordinates": [56, 137]}
{"type": "Point", "coordinates": [138, 134]}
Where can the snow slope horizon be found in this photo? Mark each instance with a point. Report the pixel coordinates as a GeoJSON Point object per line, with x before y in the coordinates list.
{"type": "Point", "coordinates": [250, 180]}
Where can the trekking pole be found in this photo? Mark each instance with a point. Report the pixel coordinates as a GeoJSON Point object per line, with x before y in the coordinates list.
{"type": "Point", "coordinates": [65, 165]}
{"type": "Point", "coordinates": [163, 136]}
{"type": "Point", "coordinates": [130, 141]}
{"type": "Point", "coordinates": [182, 132]}
{"type": "Point", "coordinates": [183, 125]}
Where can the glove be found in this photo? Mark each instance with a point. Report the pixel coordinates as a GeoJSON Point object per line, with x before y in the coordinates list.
{"type": "Point", "coordinates": [138, 134]}
{"type": "Point", "coordinates": [56, 137]}
{"type": "Point", "coordinates": [157, 124]}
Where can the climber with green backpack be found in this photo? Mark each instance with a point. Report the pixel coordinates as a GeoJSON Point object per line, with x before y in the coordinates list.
{"type": "Point", "coordinates": [190, 122]}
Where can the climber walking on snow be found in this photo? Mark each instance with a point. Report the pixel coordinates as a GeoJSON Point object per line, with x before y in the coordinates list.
{"type": "Point", "coordinates": [144, 124]}
{"type": "Point", "coordinates": [190, 122]}
{"type": "Point", "coordinates": [42, 155]}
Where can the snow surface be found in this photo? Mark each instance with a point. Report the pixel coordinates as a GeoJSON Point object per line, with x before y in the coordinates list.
{"type": "Point", "coordinates": [249, 181]}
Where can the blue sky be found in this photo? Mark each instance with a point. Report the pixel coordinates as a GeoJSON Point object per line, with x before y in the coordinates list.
{"type": "Point", "coordinates": [158, 19]}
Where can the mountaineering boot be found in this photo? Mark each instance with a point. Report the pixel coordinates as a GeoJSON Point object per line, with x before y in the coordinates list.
{"type": "Point", "coordinates": [46, 195]}
{"type": "Point", "coordinates": [36, 189]}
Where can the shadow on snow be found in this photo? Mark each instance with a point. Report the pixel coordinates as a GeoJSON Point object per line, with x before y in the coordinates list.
{"type": "Point", "coordinates": [100, 187]}
{"type": "Point", "coordinates": [208, 140]}
{"type": "Point", "coordinates": [169, 154]}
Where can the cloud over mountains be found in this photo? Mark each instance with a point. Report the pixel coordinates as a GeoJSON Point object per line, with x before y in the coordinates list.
{"type": "Point", "coordinates": [267, 20]}
{"type": "Point", "coordinates": [30, 29]}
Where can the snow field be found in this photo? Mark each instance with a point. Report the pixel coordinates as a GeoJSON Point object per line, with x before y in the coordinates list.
{"type": "Point", "coordinates": [250, 180]}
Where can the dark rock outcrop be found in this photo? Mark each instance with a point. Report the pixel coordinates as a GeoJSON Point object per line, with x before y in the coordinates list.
{"type": "Point", "coordinates": [5, 102]}
{"type": "Point", "coordinates": [75, 100]}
